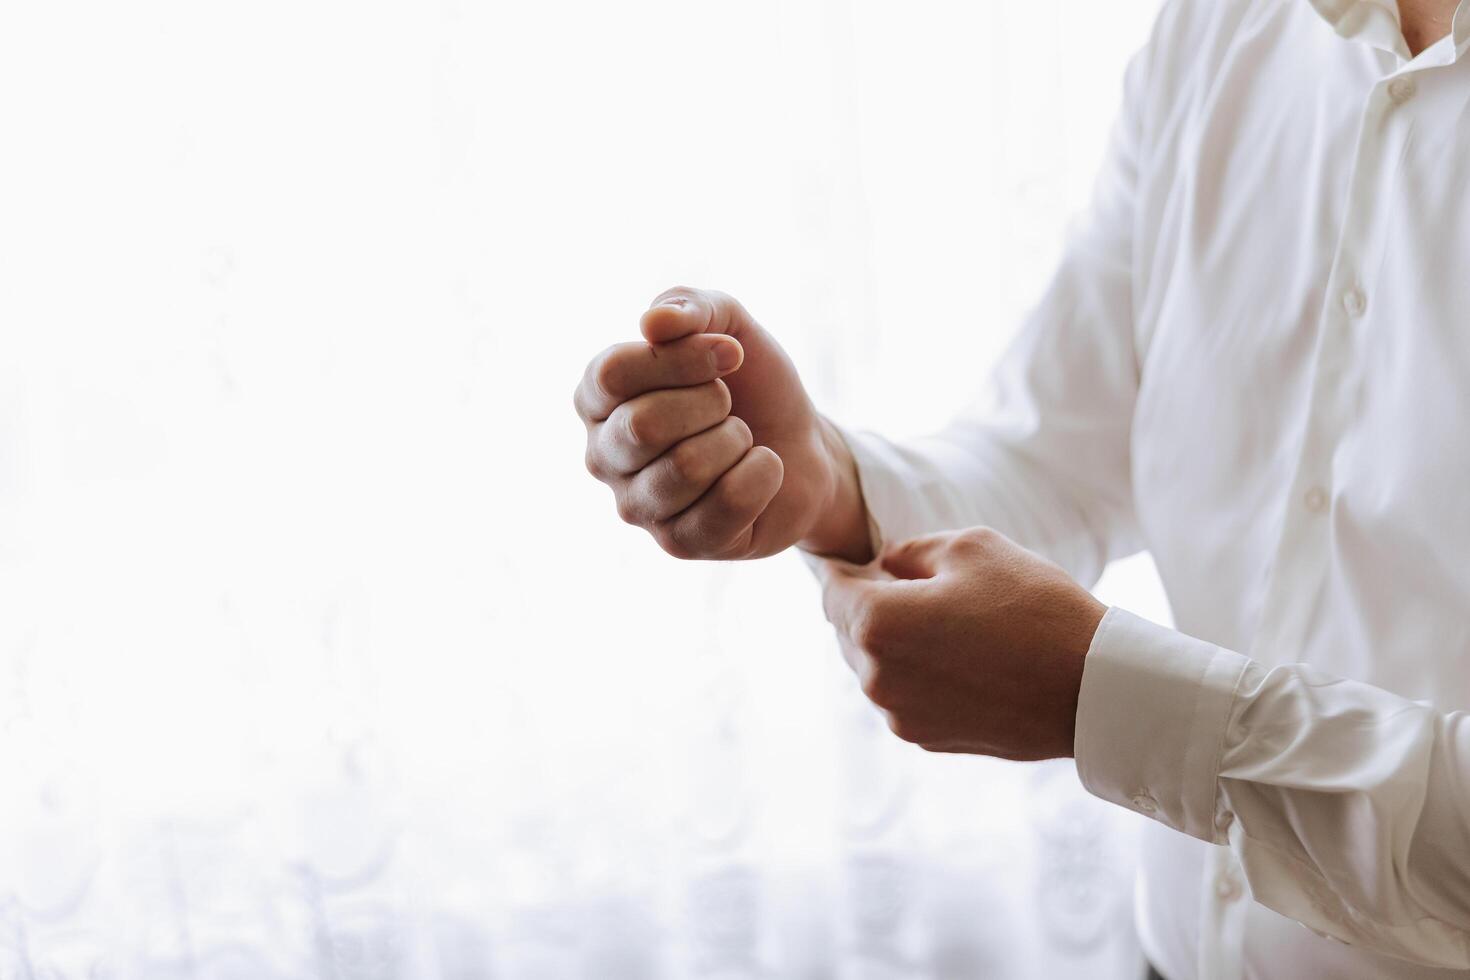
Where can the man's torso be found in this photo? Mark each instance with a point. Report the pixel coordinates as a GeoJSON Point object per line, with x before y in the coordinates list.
{"type": "Point", "coordinates": [1302, 317]}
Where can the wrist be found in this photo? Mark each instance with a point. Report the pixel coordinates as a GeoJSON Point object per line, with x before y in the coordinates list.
{"type": "Point", "coordinates": [841, 529]}
{"type": "Point", "coordinates": [1075, 648]}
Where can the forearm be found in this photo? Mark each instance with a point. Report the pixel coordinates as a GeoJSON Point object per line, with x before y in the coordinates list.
{"type": "Point", "coordinates": [1344, 802]}
{"type": "Point", "coordinates": [976, 473]}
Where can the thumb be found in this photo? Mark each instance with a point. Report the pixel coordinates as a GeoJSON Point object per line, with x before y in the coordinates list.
{"type": "Point", "coordinates": [918, 558]}
{"type": "Point", "coordinates": [682, 311]}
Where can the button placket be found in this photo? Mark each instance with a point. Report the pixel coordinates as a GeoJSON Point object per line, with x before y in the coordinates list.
{"type": "Point", "coordinates": [1300, 560]}
{"type": "Point", "coordinates": [1316, 500]}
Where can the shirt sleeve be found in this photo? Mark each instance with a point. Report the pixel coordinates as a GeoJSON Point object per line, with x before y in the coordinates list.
{"type": "Point", "coordinates": [1043, 454]}
{"type": "Point", "coordinates": [1345, 804]}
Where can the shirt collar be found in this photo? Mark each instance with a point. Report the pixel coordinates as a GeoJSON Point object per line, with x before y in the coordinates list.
{"type": "Point", "coordinates": [1376, 23]}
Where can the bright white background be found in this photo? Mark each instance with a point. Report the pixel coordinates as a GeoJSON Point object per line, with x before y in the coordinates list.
{"type": "Point", "coordinates": [320, 654]}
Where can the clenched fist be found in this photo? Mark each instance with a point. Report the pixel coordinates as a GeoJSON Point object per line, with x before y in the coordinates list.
{"type": "Point", "coordinates": [709, 441]}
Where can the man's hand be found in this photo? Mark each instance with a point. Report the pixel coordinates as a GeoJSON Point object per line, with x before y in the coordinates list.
{"type": "Point", "coordinates": [976, 647]}
{"type": "Point", "coordinates": [709, 441]}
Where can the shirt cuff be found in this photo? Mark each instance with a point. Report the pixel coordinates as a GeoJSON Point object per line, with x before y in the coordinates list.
{"type": "Point", "coordinates": [887, 483]}
{"type": "Point", "coordinates": [1151, 721]}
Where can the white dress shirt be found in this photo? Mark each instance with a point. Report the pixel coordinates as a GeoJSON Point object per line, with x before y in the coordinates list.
{"type": "Point", "coordinates": [1254, 361]}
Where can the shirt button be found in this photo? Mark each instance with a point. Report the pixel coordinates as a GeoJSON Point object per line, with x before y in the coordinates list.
{"type": "Point", "coordinates": [1227, 886]}
{"type": "Point", "coordinates": [1402, 89]}
{"type": "Point", "coordinates": [1354, 301]}
{"type": "Point", "coordinates": [1144, 803]}
{"type": "Point", "coordinates": [1316, 500]}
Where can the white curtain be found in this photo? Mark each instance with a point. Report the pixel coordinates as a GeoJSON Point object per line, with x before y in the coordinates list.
{"type": "Point", "coordinates": [321, 656]}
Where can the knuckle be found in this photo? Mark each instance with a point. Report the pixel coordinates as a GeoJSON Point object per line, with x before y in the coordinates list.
{"type": "Point", "coordinates": [876, 686]}
{"type": "Point", "coordinates": [980, 537]}
{"type": "Point", "coordinates": [966, 544]}
{"type": "Point", "coordinates": [639, 426]}
{"type": "Point", "coordinates": [725, 503]}
{"type": "Point", "coordinates": [902, 551]}
{"type": "Point", "coordinates": [722, 397]}
{"type": "Point", "coordinates": [676, 542]}
{"type": "Point", "coordinates": [607, 373]}
{"type": "Point", "coordinates": [628, 510]}
{"type": "Point", "coordinates": [593, 461]}
{"type": "Point", "coordinates": [686, 463]}
{"type": "Point", "coordinates": [738, 547]}
{"type": "Point", "coordinates": [743, 436]}
{"type": "Point", "coordinates": [873, 630]}
{"type": "Point", "coordinates": [718, 298]}
{"type": "Point", "coordinates": [903, 727]}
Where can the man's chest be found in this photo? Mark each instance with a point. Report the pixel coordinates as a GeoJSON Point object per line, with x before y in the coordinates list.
{"type": "Point", "coordinates": [1425, 21]}
{"type": "Point", "coordinates": [1303, 306]}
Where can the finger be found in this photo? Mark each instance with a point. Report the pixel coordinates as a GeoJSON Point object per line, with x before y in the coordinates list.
{"type": "Point", "coordinates": [685, 473]}
{"type": "Point", "coordinates": [626, 371]}
{"type": "Point", "coordinates": [918, 558]}
{"type": "Point", "coordinates": [858, 661]}
{"type": "Point", "coordinates": [682, 311]}
{"type": "Point", "coordinates": [642, 429]}
{"type": "Point", "coordinates": [847, 592]}
{"type": "Point", "coordinates": [720, 524]}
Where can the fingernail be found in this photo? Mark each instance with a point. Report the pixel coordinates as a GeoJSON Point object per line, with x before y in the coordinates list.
{"type": "Point", "coordinates": [727, 355]}
{"type": "Point", "coordinates": [678, 302]}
